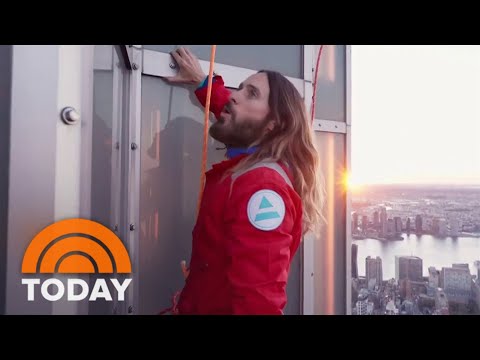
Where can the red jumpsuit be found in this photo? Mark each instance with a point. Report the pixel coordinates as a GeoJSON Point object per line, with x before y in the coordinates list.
{"type": "Point", "coordinates": [248, 230]}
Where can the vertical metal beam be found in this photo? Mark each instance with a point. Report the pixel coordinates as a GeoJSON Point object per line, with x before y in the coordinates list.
{"type": "Point", "coordinates": [68, 171]}
{"type": "Point", "coordinates": [348, 149]}
{"type": "Point", "coordinates": [308, 248]}
{"type": "Point", "coordinates": [133, 186]}
{"type": "Point", "coordinates": [33, 146]}
{"type": "Point", "coordinates": [5, 111]}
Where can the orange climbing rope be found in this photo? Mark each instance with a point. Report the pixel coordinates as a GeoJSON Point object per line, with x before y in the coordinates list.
{"type": "Point", "coordinates": [315, 79]}
{"type": "Point", "coordinates": [205, 127]}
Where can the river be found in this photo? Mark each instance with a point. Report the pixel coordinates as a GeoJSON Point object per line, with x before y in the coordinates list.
{"type": "Point", "coordinates": [438, 252]}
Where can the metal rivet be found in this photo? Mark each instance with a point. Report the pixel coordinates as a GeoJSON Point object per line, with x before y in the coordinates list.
{"type": "Point", "coordinates": [172, 66]}
{"type": "Point", "coordinates": [70, 116]}
{"type": "Point", "coordinates": [133, 146]}
{"type": "Point", "coordinates": [134, 66]}
{"type": "Point", "coordinates": [132, 227]}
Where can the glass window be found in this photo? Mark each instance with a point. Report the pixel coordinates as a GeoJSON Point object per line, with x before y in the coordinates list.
{"type": "Point", "coordinates": [330, 97]}
{"type": "Point", "coordinates": [171, 156]}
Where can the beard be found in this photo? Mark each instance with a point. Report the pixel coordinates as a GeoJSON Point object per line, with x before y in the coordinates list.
{"type": "Point", "coordinates": [237, 133]}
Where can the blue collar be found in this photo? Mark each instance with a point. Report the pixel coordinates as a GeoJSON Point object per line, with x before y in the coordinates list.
{"type": "Point", "coordinates": [234, 152]}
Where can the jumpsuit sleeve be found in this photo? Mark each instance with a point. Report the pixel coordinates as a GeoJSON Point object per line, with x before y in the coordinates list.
{"type": "Point", "coordinates": [219, 97]}
{"type": "Point", "coordinates": [259, 220]}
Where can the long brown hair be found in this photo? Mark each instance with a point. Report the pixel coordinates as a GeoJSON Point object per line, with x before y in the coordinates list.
{"type": "Point", "coordinates": [291, 141]}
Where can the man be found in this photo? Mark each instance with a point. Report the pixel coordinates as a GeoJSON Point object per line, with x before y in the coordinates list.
{"type": "Point", "coordinates": [258, 203]}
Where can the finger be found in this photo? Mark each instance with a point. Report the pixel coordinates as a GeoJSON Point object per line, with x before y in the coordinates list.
{"type": "Point", "coordinates": [173, 79]}
{"type": "Point", "coordinates": [183, 52]}
{"type": "Point", "coordinates": [177, 58]}
{"type": "Point", "coordinates": [185, 271]}
{"type": "Point", "coordinates": [189, 53]}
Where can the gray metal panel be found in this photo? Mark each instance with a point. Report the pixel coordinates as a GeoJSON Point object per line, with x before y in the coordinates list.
{"type": "Point", "coordinates": [330, 102]}
{"type": "Point", "coordinates": [330, 248]}
{"type": "Point", "coordinates": [294, 285]}
{"type": "Point", "coordinates": [102, 149]}
{"type": "Point", "coordinates": [5, 98]}
{"type": "Point", "coordinates": [287, 59]}
{"type": "Point", "coordinates": [101, 168]}
{"type": "Point", "coordinates": [34, 119]}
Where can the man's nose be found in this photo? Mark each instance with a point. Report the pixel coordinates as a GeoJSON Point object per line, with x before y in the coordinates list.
{"type": "Point", "coordinates": [234, 97]}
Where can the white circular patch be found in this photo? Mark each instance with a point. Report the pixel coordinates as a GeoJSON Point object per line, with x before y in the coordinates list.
{"type": "Point", "coordinates": [266, 210]}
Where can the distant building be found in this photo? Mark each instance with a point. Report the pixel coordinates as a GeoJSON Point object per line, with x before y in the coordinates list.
{"type": "Point", "coordinates": [398, 224]}
{"type": "Point", "coordinates": [442, 228]}
{"type": "Point", "coordinates": [418, 224]}
{"type": "Point", "coordinates": [461, 266]}
{"type": "Point", "coordinates": [408, 267]}
{"type": "Point", "coordinates": [373, 272]}
{"type": "Point", "coordinates": [439, 226]}
{"type": "Point", "coordinates": [435, 225]}
{"type": "Point", "coordinates": [361, 306]}
{"type": "Point", "coordinates": [441, 302]}
{"type": "Point", "coordinates": [354, 261]}
{"type": "Point", "coordinates": [390, 227]}
{"type": "Point", "coordinates": [476, 293]}
{"type": "Point", "coordinates": [456, 281]}
{"type": "Point", "coordinates": [433, 277]}
{"type": "Point", "coordinates": [355, 221]}
{"type": "Point", "coordinates": [454, 227]}
{"type": "Point", "coordinates": [391, 309]}
{"type": "Point", "coordinates": [415, 288]}
{"type": "Point", "coordinates": [376, 220]}
{"type": "Point", "coordinates": [383, 220]}
{"type": "Point", "coordinates": [364, 307]}
{"type": "Point", "coordinates": [364, 223]}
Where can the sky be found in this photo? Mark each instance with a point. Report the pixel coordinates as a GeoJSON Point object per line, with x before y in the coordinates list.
{"type": "Point", "coordinates": [415, 114]}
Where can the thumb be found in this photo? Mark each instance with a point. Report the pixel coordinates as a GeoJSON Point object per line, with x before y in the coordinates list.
{"type": "Point", "coordinates": [173, 79]}
{"type": "Point", "coordinates": [185, 270]}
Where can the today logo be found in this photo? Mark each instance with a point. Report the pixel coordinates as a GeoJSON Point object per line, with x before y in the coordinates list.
{"type": "Point", "coordinates": [76, 246]}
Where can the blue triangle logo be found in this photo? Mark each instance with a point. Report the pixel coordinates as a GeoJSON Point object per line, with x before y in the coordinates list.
{"type": "Point", "coordinates": [267, 216]}
{"type": "Point", "coordinates": [265, 203]}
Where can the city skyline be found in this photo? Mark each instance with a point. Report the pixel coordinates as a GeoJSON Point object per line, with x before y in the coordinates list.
{"type": "Point", "coordinates": [415, 250]}
{"type": "Point", "coordinates": [415, 115]}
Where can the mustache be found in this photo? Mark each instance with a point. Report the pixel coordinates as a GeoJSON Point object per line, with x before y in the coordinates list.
{"type": "Point", "coordinates": [230, 109]}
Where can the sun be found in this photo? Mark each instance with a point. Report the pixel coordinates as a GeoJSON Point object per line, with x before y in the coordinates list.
{"type": "Point", "coordinates": [351, 183]}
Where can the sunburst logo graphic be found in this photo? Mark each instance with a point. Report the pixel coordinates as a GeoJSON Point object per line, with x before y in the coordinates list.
{"type": "Point", "coordinates": [76, 246]}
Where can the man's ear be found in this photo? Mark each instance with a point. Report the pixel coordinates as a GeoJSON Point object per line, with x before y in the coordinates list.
{"type": "Point", "coordinates": [270, 126]}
